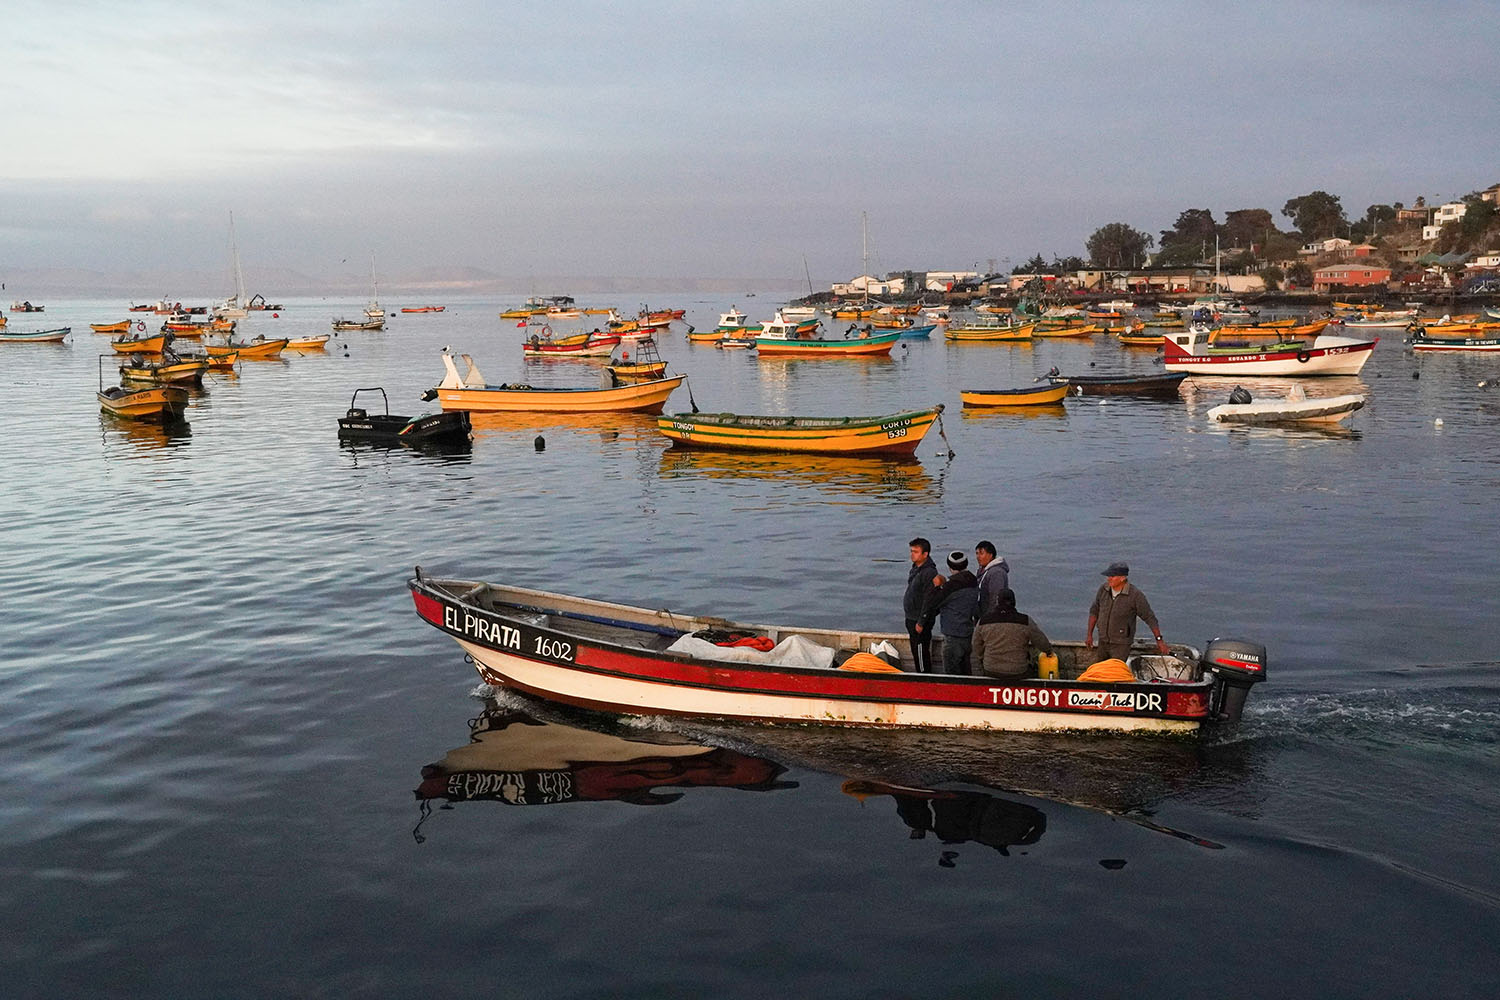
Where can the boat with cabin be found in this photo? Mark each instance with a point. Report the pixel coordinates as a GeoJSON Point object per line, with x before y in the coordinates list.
{"type": "Point", "coordinates": [1193, 351]}
{"type": "Point", "coordinates": [641, 661]}
{"type": "Point", "coordinates": [781, 337]}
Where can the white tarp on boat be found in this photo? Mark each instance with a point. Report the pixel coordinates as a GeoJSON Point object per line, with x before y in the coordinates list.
{"type": "Point", "coordinates": [793, 651]}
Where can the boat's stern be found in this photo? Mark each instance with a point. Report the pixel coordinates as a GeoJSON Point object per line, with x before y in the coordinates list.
{"type": "Point", "coordinates": [1236, 666]}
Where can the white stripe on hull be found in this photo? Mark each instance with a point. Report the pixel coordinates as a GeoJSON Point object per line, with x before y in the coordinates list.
{"type": "Point", "coordinates": [655, 698]}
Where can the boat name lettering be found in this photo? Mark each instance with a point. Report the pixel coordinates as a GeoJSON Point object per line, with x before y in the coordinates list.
{"type": "Point", "coordinates": [1027, 696]}
{"type": "Point", "coordinates": [481, 628]}
{"type": "Point", "coordinates": [1116, 701]}
{"type": "Point", "coordinates": [896, 428]}
{"type": "Point", "coordinates": [511, 786]}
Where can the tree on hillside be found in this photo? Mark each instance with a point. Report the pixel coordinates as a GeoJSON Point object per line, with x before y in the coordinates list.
{"type": "Point", "coordinates": [1191, 238]}
{"type": "Point", "coordinates": [1067, 265]}
{"type": "Point", "coordinates": [1118, 246]}
{"type": "Point", "coordinates": [1036, 265]}
{"type": "Point", "coordinates": [1376, 218]}
{"type": "Point", "coordinates": [1273, 277]}
{"type": "Point", "coordinates": [1317, 215]}
{"type": "Point", "coordinates": [1299, 275]}
{"type": "Point", "coordinates": [1246, 227]}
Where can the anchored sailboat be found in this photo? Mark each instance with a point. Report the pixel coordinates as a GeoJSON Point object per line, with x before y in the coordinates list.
{"type": "Point", "coordinates": [234, 307]}
{"type": "Point", "coordinates": [374, 310]}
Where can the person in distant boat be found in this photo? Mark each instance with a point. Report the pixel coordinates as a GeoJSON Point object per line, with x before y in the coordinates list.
{"type": "Point", "coordinates": [994, 576]}
{"type": "Point", "coordinates": [1115, 610]}
{"type": "Point", "coordinates": [952, 604]}
{"type": "Point", "coordinates": [919, 584]}
{"type": "Point", "coordinates": [1005, 639]}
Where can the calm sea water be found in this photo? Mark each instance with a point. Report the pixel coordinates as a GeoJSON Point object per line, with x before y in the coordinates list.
{"type": "Point", "coordinates": [218, 703]}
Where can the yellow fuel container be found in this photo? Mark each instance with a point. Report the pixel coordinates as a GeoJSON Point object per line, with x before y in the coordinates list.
{"type": "Point", "coordinates": [1046, 666]}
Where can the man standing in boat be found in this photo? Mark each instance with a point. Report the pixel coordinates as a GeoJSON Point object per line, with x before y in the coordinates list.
{"type": "Point", "coordinates": [1115, 610]}
{"type": "Point", "coordinates": [918, 587]}
{"type": "Point", "coordinates": [953, 602]}
{"type": "Point", "coordinates": [994, 576]}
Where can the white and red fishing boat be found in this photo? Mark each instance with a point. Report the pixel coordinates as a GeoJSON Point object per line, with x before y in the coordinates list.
{"type": "Point", "coordinates": [1194, 351]}
{"type": "Point", "coordinates": [617, 658]}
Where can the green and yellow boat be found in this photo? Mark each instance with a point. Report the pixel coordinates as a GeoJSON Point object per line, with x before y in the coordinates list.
{"type": "Point", "coordinates": [891, 434]}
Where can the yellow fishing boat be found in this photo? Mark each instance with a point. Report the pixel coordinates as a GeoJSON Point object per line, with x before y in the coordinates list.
{"type": "Point", "coordinates": [121, 327]}
{"type": "Point", "coordinates": [1280, 332]}
{"type": "Point", "coordinates": [469, 391]}
{"type": "Point", "coordinates": [164, 402]}
{"type": "Point", "coordinates": [854, 312]}
{"type": "Point", "coordinates": [1139, 338]}
{"type": "Point", "coordinates": [170, 369]}
{"type": "Point", "coordinates": [1066, 330]}
{"type": "Point", "coordinates": [315, 343]}
{"type": "Point", "coordinates": [1038, 395]}
{"type": "Point", "coordinates": [892, 434]}
{"type": "Point", "coordinates": [141, 345]}
{"type": "Point", "coordinates": [980, 331]}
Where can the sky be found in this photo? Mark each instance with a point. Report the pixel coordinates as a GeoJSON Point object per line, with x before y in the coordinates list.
{"type": "Point", "coordinates": [732, 140]}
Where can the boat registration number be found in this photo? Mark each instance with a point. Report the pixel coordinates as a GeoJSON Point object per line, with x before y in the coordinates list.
{"type": "Point", "coordinates": [896, 428]}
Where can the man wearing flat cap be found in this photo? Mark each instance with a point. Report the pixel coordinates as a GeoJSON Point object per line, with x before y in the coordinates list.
{"type": "Point", "coordinates": [1116, 608]}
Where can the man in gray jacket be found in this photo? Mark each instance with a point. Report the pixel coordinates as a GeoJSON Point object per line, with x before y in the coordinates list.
{"type": "Point", "coordinates": [1005, 639]}
{"type": "Point", "coordinates": [1116, 607]}
{"type": "Point", "coordinates": [994, 576]}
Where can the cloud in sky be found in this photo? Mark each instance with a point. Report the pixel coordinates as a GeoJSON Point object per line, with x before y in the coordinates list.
{"type": "Point", "coordinates": [710, 140]}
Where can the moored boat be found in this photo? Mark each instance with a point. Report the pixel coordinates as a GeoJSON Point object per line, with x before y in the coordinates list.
{"type": "Point", "coordinates": [424, 309]}
{"type": "Point", "coordinates": [142, 344]}
{"type": "Point", "coordinates": [1294, 408]}
{"type": "Point", "coordinates": [342, 325]}
{"type": "Point", "coordinates": [313, 343]}
{"type": "Point", "coordinates": [891, 434]}
{"type": "Point", "coordinates": [26, 307]}
{"type": "Point", "coordinates": [449, 427]}
{"type": "Point", "coordinates": [121, 327]}
{"type": "Point", "coordinates": [164, 369]}
{"type": "Point", "coordinates": [53, 336]}
{"type": "Point", "coordinates": [987, 328]}
{"type": "Point", "coordinates": [781, 337]}
{"type": "Point", "coordinates": [256, 348]}
{"type": "Point", "coordinates": [1154, 384]}
{"type": "Point", "coordinates": [1327, 354]}
{"type": "Point", "coordinates": [579, 345]}
{"type": "Point", "coordinates": [469, 391]}
{"type": "Point", "coordinates": [1032, 395]}
{"type": "Point", "coordinates": [615, 657]}
{"type": "Point", "coordinates": [1424, 341]}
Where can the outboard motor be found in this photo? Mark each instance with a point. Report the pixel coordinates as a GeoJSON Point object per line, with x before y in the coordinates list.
{"type": "Point", "coordinates": [1237, 666]}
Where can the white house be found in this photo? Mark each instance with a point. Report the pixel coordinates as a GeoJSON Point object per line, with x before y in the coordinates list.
{"type": "Point", "coordinates": [1325, 246]}
{"type": "Point", "coordinates": [1449, 212]}
{"type": "Point", "coordinates": [1431, 232]}
{"type": "Point", "coordinates": [868, 284]}
{"type": "Point", "coordinates": [942, 281]}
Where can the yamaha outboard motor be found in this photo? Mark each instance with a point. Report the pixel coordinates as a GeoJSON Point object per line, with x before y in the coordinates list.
{"type": "Point", "coordinates": [1237, 666]}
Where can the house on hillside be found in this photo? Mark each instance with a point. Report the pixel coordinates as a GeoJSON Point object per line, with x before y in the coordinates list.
{"type": "Point", "coordinates": [1447, 212]}
{"type": "Point", "coordinates": [946, 281]}
{"type": "Point", "coordinates": [1319, 247]}
{"type": "Point", "coordinates": [1337, 276]}
{"type": "Point", "coordinates": [868, 284]}
{"type": "Point", "coordinates": [1491, 194]}
{"type": "Point", "coordinates": [1420, 213]}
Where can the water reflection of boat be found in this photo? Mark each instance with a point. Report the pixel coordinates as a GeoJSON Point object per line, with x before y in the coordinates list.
{"type": "Point", "coordinates": [627, 426]}
{"type": "Point", "coordinates": [958, 816]}
{"type": "Point", "coordinates": [1005, 413]}
{"type": "Point", "coordinates": [894, 478]}
{"type": "Point", "coordinates": [517, 759]}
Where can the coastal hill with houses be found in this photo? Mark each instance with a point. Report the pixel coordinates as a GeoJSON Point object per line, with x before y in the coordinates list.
{"type": "Point", "coordinates": [1437, 250]}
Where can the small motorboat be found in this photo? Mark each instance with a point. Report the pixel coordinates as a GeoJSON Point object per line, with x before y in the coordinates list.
{"type": "Point", "coordinates": [1155, 384]}
{"type": "Point", "coordinates": [26, 307]}
{"type": "Point", "coordinates": [256, 348]}
{"type": "Point", "coordinates": [142, 344]}
{"type": "Point", "coordinates": [166, 368]}
{"type": "Point", "coordinates": [121, 327]}
{"type": "Point", "coordinates": [615, 657]}
{"type": "Point", "coordinates": [450, 427]}
{"type": "Point", "coordinates": [469, 391]}
{"type": "Point", "coordinates": [315, 343]}
{"type": "Point", "coordinates": [342, 325]}
{"type": "Point", "coordinates": [423, 309]}
{"type": "Point", "coordinates": [163, 403]}
{"type": "Point", "coordinates": [1295, 408]}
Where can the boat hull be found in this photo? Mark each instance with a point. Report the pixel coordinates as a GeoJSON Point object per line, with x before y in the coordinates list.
{"type": "Point", "coordinates": [522, 645]}
{"type": "Point", "coordinates": [645, 397]}
{"type": "Point", "coordinates": [163, 403]}
{"type": "Point", "coordinates": [36, 337]}
{"type": "Point", "coordinates": [1345, 357]}
{"type": "Point", "coordinates": [892, 434]}
{"type": "Point", "coordinates": [1029, 396]}
{"type": "Point", "coordinates": [1420, 343]}
{"type": "Point", "coordinates": [854, 347]}
{"type": "Point", "coordinates": [1328, 410]}
{"type": "Point", "coordinates": [1165, 385]}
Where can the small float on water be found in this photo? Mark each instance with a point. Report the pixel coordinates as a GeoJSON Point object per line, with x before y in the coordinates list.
{"type": "Point", "coordinates": [618, 658]}
{"type": "Point", "coordinates": [1294, 408]}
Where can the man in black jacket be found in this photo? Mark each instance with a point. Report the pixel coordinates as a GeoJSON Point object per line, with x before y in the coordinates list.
{"type": "Point", "coordinates": [918, 586]}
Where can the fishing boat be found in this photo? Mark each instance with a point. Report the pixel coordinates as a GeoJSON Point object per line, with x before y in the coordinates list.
{"type": "Point", "coordinates": [224, 362]}
{"type": "Point", "coordinates": [1033, 395]}
{"type": "Point", "coordinates": [781, 337]}
{"type": "Point", "coordinates": [618, 658]}
{"type": "Point", "coordinates": [53, 336]}
{"type": "Point", "coordinates": [1154, 384]}
{"type": "Point", "coordinates": [1193, 352]}
{"type": "Point", "coordinates": [989, 328]}
{"type": "Point", "coordinates": [166, 368]}
{"type": "Point", "coordinates": [795, 313]}
{"type": "Point", "coordinates": [450, 427]}
{"type": "Point", "coordinates": [892, 434]}
{"type": "Point", "coordinates": [164, 403]}
{"type": "Point", "coordinates": [257, 348]}
{"type": "Point", "coordinates": [424, 309]}
{"type": "Point", "coordinates": [579, 345]}
{"type": "Point", "coordinates": [731, 324]}
{"type": "Point", "coordinates": [1424, 341]}
{"type": "Point", "coordinates": [313, 343]}
{"type": "Point", "coordinates": [26, 307]}
{"type": "Point", "coordinates": [1222, 335]}
{"type": "Point", "coordinates": [342, 325]}
{"type": "Point", "coordinates": [121, 327]}
{"type": "Point", "coordinates": [1294, 408]}
{"type": "Point", "coordinates": [469, 391]}
{"type": "Point", "coordinates": [139, 343]}
{"type": "Point", "coordinates": [646, 367]}
{"type": "Point", "coordinates": [1136, 335]}
{"type": "Point", "coordinates": [1065, 330]}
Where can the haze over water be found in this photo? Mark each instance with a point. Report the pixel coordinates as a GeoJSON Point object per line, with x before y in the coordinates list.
{"type": "Point", "coordinates": [219, 700]}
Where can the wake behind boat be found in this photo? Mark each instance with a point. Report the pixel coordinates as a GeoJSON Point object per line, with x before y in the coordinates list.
{"type": "Point", "coordinates": [617, 658]}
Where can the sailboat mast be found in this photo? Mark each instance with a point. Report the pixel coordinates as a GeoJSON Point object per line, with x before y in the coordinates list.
{"type": "Point", "coordinates": [864, 249]}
